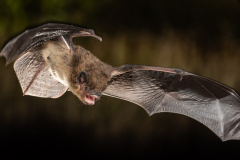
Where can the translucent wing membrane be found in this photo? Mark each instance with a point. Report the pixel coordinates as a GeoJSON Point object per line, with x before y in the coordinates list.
{"type": "Point", "coordinates": [213, 104]}
{"type": "Point", "coordinates": [37, 36]}
{"type": "Point", "coordinates": [35, 78]}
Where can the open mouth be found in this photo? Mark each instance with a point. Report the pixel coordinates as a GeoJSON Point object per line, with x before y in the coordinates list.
{"type": "Point", "coordinates": [90, 99]}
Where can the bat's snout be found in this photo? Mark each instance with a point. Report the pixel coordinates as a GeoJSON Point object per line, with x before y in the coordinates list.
{"type": "Point", "coordinates": [90, 99]}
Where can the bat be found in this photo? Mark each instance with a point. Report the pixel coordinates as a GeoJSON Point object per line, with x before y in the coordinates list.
{"type": "Point", "coordinates": [48, 64]}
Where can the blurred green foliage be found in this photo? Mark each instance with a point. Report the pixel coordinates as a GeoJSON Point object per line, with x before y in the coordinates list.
{"type": "Point", "coordinates": [200, 36]}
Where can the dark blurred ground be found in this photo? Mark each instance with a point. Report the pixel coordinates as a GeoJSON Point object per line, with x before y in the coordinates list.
{"type": "Point", "coordinates": [200, 36]}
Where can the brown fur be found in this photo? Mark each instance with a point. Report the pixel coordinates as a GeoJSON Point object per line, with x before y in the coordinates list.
{"type": "Point", "coordinates": [66, 63]}
{"type": "Point", "coordinates": [97, 71]}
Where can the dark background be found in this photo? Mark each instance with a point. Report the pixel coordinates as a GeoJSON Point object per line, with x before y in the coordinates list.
{"type": "Point", "coordinates": [200, 36]}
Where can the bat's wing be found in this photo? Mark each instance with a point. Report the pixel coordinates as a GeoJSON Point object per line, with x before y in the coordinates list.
{"type": "Point", "coordinates": [30, 67]}
{"type": "Point", "coordinates": [37, 36]}
{"type": "Point", "coordinates": [158, 89]}
{"type": "Point", "coordinates": [35, 78]}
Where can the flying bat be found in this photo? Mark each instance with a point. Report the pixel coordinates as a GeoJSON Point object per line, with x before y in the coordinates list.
{"type": "Point", "coordinates": [47, 64]}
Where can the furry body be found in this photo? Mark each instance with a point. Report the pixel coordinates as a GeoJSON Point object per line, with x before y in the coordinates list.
{"type": "Point", "coordinates": [65, 64]}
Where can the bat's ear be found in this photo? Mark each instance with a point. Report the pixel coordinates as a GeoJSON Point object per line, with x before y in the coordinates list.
{"type": "Point", "coordinates": [82, 78]}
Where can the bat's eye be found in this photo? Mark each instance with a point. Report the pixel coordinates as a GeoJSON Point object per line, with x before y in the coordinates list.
{"type": "Point", "coordinates": [86, 88]}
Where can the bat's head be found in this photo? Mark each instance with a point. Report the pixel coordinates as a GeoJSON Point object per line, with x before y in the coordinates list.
{"type": "Point", "coordinates": [86, 88]}
{"type": "Point", "coordinates": [88, 76]}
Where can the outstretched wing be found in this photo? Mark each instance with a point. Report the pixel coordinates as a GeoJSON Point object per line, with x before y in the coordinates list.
{"type": "Point", "coordinates": [30, 67]}
{"type": "Point", "coordinates": [158, 89]}
{"type": "Point", "coordinates": [37, 36]}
